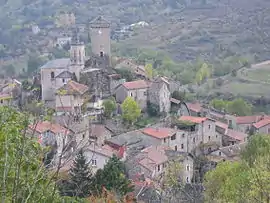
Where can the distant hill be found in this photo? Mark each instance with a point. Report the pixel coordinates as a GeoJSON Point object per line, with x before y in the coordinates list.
{"type": "Point", "coordinates": [185, 29]}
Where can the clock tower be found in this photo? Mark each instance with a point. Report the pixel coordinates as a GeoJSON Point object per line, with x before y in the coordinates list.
{"type": "Point", "coordinates": [100, 35]}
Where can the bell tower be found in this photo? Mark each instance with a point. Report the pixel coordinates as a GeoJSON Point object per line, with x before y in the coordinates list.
{"type": "Point", "coordinates": [100, 35]}
{"type": "Point", "coordinates": [77, 54]}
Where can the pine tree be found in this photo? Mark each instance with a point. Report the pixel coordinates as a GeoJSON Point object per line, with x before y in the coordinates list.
{"type": "Point", "coordinates": [80, 178]}
{"type": "Point", "coordinates": [112, 178]}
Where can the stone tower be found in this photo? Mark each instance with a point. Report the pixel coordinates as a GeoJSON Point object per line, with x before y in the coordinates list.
{"type": "Point", "coordinates": [100, 35]}
{"type": "Point", "coordinates": [77, 54]}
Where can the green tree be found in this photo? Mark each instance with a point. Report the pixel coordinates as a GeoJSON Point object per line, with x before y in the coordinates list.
{"type": "Point", "coordinates": [112, 178]}
{"type": "Point", "coordinates": [79, 184]}
{"type": "Point", "coordinates": [179, 95]}
{"type": "Point", "coordinates": [126, 74]}
{"type": "Point", "coordinates": [218, 104]}
{"type": "Point", "coordinates": [109, 107]}
{"type": "Point", "coordinates": [239, 107]}
{"type": "Point", "coordinates": [131, 110]}
{"type": "Point", "coordinates": [23, 176]}
{"type": "Point", "coordinates": [152, 109]}
{"type": "Point", "coordinates": [149, 71]}
{"type": "Point", "coordinates": [33, 63]}
{"type": "Point", "coordinates": [243, 181]}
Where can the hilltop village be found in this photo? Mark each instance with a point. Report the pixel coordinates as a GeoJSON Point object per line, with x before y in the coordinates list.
{"type": "Point", "coordinates": [93, 108]}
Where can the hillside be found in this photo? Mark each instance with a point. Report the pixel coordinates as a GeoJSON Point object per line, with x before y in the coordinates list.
{"type": "Point", "coordinates": [185, 29]}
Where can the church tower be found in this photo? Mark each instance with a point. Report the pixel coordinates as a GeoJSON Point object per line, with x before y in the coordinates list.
{"type": "Point", "coordinates": [77, 54]}
{"type": "Point", "coordinates": [100, 35]}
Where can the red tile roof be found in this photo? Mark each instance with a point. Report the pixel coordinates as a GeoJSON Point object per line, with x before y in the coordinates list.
{"type": "Point", "coordinates": [44, 126]}
{"type": "Point", "coordinates": [248, 119]}
{"type": "Point", "coordinates": [236, 135]}
{"type": "Point", "coordinates": [138, 84]}
{"type": "Point", "coordinates": [221, 125]}
{"type": "Point", "coordinates": [73, 87]}
{"type": "Point", "coordinates": [159, 133]}
{"type": "Point", "coordinates": [193, 119]}
{"type": "Point", "coordinates": [262, 123]}
{"type": "Point", "coordinates": [196, 107]}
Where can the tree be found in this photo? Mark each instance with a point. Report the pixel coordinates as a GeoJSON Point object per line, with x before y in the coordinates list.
{"type": "Point", "coordinates": [218, 104]}
{"type": "Point", "coordinates": [131, 110]}
{"type": "Point", "coordinates": [152, 109]}
{"type": "Point", "coordinates": [109, 107]}
{"type": "Point", "coordinates": [149, 71]}
{"type": "Point", "coordinates": [23, 176]}
{"type": "Point", "coordinates": [9, 70]}
{"type": "Point", "coordinates": [126, 74]}
{"type": "Point", "coordinates": [239, 107]}
{"type": "Point", "coordinates": [33, 63]}
{"type": "Point", "coordinates": [112, 178]}
{"type": "Point", "coordinates": [243, 181]}
{"type": "Point", "coordinates": [79, 183]}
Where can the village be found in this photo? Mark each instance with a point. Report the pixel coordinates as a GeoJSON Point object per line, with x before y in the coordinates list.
{"type": "Point", "coordinates": [95, 109]}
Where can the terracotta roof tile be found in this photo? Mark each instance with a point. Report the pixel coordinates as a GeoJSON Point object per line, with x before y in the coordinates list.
{"type": "Point", "coordinates": [138, 84]}
{"type": "Point", "coordinates": [159, 133]}
{"type": "Point", "coordinates": [262, 123]}
{"type": "Point", "coordinates": [193, 119]}
{"type": "Point", "coordinates": [221, 125]}
{"type": "Point", "coordinates": [236, 135]}
{"type": "Point", "coordinates": [248, 119]}
{"type": "Point", "coordinates": [73, 87]}
{"type": "Point", "coordinates": [44, 126]}
{"type": "Point", "coordinates": [196, 107]}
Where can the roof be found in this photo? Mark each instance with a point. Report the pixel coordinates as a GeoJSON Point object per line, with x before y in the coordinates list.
{"type": "Point", "coordinates": [72, 88]}
{"type": "Point", "coordinates": [221, 125]}
{"type": "Point", "coordinates": [262, 123]}
{"type": "Point", "coordinates": [138, 84]}
{"type": "Point", "coordinates": [155, 155]}
{"type": "Point", "coordinates": [104, 150]}
{"type": "Point", "coordinates": [236, 135]}
{"type": "Point", "coordinates": [57, 63]}
{"type": "Point", "coordinates": [65, 74]}
{"type": "Point", "coordinates": [196, 107]}
{"type": "Point", "coordinates": [99, 22]}
{"type": "Point", "coordinates": [247, 119]}
{"type": "Point", "coordinates": [233, 150]}
{"type": "Point", "coordinates": [45, 126]}
{"type": "Point", "coordinates": [159, 133]}
{"type": "Point", "coordinates": [193, 119]}
{"type": "Point", "coordinates": [98, 130]}
{"type": "Point", "coordinates": [5, 96]}
{"type": "Point", "coordinates": [176, 101]}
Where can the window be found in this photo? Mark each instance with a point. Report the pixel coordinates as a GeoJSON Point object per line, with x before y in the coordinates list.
{"type": "Point", "coordinates": [182, 146]}
{"type": "Point", "coordinates": [145, 93]}
{"type": "Point", "coordinates": [83, 136]}
{"type": "Point", "coordinates": [209, 138]}
{"type": "Point", "coordinates": [158, 167]}
{"type": "Point", "coordinates": [188, 168]}
{"type": "Point", "coordinates": [194, 140]}
{"type": "Point", "coordinates": [131, 94]}
{"type": "Point", "coordinates": [101, 54]}
{"type": "Point", "coordinates": [63, 80]}
{"type": "Point", "coordinates": [175, 147]}
{"type": "Point", "coordinates": [187, 180]}
{"type": "Point", "coordinates": [216, 135]}
{"type": "Point", "coordinates": [219, 153]}
{"type": "Point", "coordinates": [94, 162]}
{"type": "Point", "coordinates": [183, 135]}
{"type": "Point", "coordinates": [209, 126]}
{"type": "Point", "coordinates": [164, 140]}
{"type": "Point", "coordinates": [52, 75]}
{"type": "Point", "coordinates": [173, 137]}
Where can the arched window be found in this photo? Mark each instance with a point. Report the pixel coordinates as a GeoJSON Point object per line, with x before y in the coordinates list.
{"type": "Point", "coordinates": [52, 75]}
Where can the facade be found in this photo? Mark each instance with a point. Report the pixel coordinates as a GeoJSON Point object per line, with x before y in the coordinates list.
{"type": "Point", "coordinates": [70, 97]}
{"type": "Point", "coordinates": [51, 134]}
{"type": "Point", "coordinates": [196, 132]}
{"type": "Point", "coordinates": [195, 109]}
{"type": "Point", "coordinates": [262, 127]}
{"type": "Point", "coordinates": [159, 94]}
{"type": "Point", "coordinates": [138, 90]}
{"type": "Point", "coordinates": [98, 133]}
{"type": "Point", "coordinates": [100, 34]}
{"type": "Point", "coordinates": [5, 99]}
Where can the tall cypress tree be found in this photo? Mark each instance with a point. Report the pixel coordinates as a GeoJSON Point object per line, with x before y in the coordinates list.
{"type": "Point", "coordinates": [80, 178]}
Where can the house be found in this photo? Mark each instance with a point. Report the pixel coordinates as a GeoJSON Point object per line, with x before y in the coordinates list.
{"type": "Point", "coordinates": [195, 109]}
{"type": "Point", "coordinates": [61, 41]}
{"type": "Point", "coordinates": [262, 126]}
{"type": "Point", "coordinates": [153, 161]}
{"type": "Point", "coordinates": [138, 90]}
{"type": "Point", "coordinates": [159, 94]}
{"type": "Point", "coordinates": [124, 63]}
{"type": "Point", "coordinates": [52, 134]}
{"type": "Point", "coordinates": [98, 133]}
{"type": "Point", "coordinates": [162, 136]}
{"type": "Point", "coordinates": [232, 137]}
{"type": "Point", "coordinates": [230, 153]}
{"type": "Point", "coordinates": [70, 97]}
{"type": "Point", "coordinates": [5, 99]}
{"type": "Point", "coordinates": [98, 156]}
{"type": "Point", "coordinates": [196, 132]}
